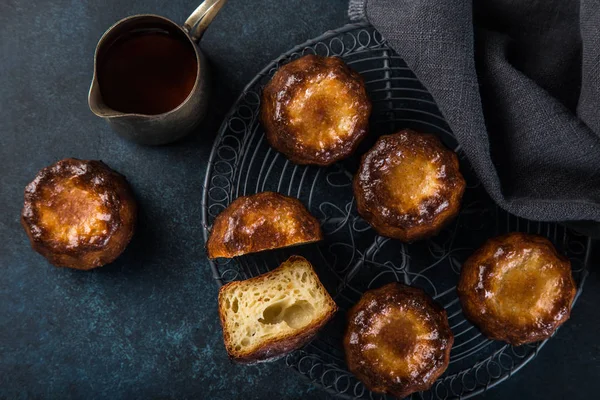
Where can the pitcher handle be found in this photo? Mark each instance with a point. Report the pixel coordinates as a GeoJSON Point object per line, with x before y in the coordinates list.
{"type": "Point", "coordinates": [202, 16]}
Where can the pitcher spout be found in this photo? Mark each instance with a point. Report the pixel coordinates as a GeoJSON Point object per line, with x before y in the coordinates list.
{"type": "Point", "coordinates": [96, 103]}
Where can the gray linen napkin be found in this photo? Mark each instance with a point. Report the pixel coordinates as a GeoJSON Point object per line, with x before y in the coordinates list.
{"type": "Point", "coordinates": [519, 84]}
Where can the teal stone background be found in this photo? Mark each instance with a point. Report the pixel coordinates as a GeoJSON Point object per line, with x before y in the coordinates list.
{"type": "Point", "coordinates": [146, 326]}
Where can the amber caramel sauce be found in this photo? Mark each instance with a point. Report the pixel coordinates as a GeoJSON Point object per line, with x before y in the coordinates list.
{"type": "Point", "coordinates": [148, 72]}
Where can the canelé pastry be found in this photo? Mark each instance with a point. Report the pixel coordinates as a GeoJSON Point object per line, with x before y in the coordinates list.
{"type": "Point", "coordinates": [315, 110]}
{"type": "Point", "coordinates": [408, 186]}
{"type": "Point", "coordinates": [260, 222]}
{"type": "Point", "coordinates": [517, 288]}
{"type": "Point", "coordinates": [272, 314]}
{"type": "Point", "coordinates": [79, 214]}
{"type": "Point", "coordinates": [398, 340]}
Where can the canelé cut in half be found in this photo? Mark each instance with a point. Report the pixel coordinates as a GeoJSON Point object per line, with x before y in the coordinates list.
{"type": "Point", "coordinates": [408, 186]}
{"type": "Point", "coordinates": [79, 214]}
{"type": "Point", "coordinates": [268, 316]}
{"type": "Point", "coordinates": [261, 221]}
{"type": "Point", "coordinates": [315, 110]}
{"type": "Point", "coordinates": [517, 288]}
{"type": "Point", "coordinates": [398, 340]}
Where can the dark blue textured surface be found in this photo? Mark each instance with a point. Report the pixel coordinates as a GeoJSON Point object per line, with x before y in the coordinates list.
{"type": "Point", "coordinates": [146, 326]}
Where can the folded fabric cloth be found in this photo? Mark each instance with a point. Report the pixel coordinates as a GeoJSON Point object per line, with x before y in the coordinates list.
{"type": "Point", "coordinates": [519, 84]}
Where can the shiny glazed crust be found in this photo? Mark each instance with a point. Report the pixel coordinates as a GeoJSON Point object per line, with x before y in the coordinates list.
{"type": "Point", "coordinates": [517, 288]}
{"type": "Point", "coordinates": [260, 222]}
{"type": "Point", "coordinates": [408, 186]}
{"type": "Point", "coordinates": [315, 110]}
{"type": "Point", "coordinates": [398, 340]}
{"type": "Point", "coordinates": [79, 214]}
{"type": "Point", "coordinates": [276, 347]}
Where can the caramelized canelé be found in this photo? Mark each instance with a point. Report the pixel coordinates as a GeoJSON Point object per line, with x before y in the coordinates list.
{"type": "Point", "coordinates": [260, 222]}
{"type": "Point", "coordinates": [398, 340]}
{"type": "Point", "coordinates": [315, 110]}
{"type": "Point", "coordinates": [408, 186]}
{"type": "Point", "coordinates": [79, 214]}
{"type": "Point", "coordinates": [517, 288]}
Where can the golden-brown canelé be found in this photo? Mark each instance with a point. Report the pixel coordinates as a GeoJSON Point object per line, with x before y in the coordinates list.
{"type": "Point", "coordinates": [517, 288]}
{"type": "Point", "coordinates": [260, 222]}
{"type": "Point", "coordinates": [398, 340]}
{"type": "Point", "coordinates": [79, 214]}
{"type": "Point", "coordinates": [315, 110]}
{"type": "Point", "coordinates": [408, 186]}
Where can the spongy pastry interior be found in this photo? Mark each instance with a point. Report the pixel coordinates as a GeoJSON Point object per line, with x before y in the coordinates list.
{"type": "Point", "coordinates": [274, 306]}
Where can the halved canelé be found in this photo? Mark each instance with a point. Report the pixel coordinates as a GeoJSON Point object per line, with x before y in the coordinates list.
{"type": "Point", "coordinates": [398, 340]}
{"type": "Point", "coordinates": [408, 186]}
{"type": "Point", "coordinates": [517, 288]}
{"type": "Point", "coordinates": [261, 221]}
{"type": "Point", "coordinates": [268, 316]}
{"type": "Point", "coordinates": [79, 214]}
{"type": "Point", "coordinates": [315, 110]}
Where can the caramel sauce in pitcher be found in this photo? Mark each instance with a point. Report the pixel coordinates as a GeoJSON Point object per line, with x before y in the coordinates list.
{"type": "Point", "coordinates": [147, 72]}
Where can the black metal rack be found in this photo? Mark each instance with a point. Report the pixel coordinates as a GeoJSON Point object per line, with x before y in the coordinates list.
{"type": "Point", "coordinates": [353, 258]}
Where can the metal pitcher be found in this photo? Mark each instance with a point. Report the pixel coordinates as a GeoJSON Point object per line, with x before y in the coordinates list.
{"type": "Point", "coordinates": [176, 123]}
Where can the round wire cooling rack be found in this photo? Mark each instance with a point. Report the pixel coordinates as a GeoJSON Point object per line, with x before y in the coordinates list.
{"type": "Point", "coordinates": [352, 258]}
